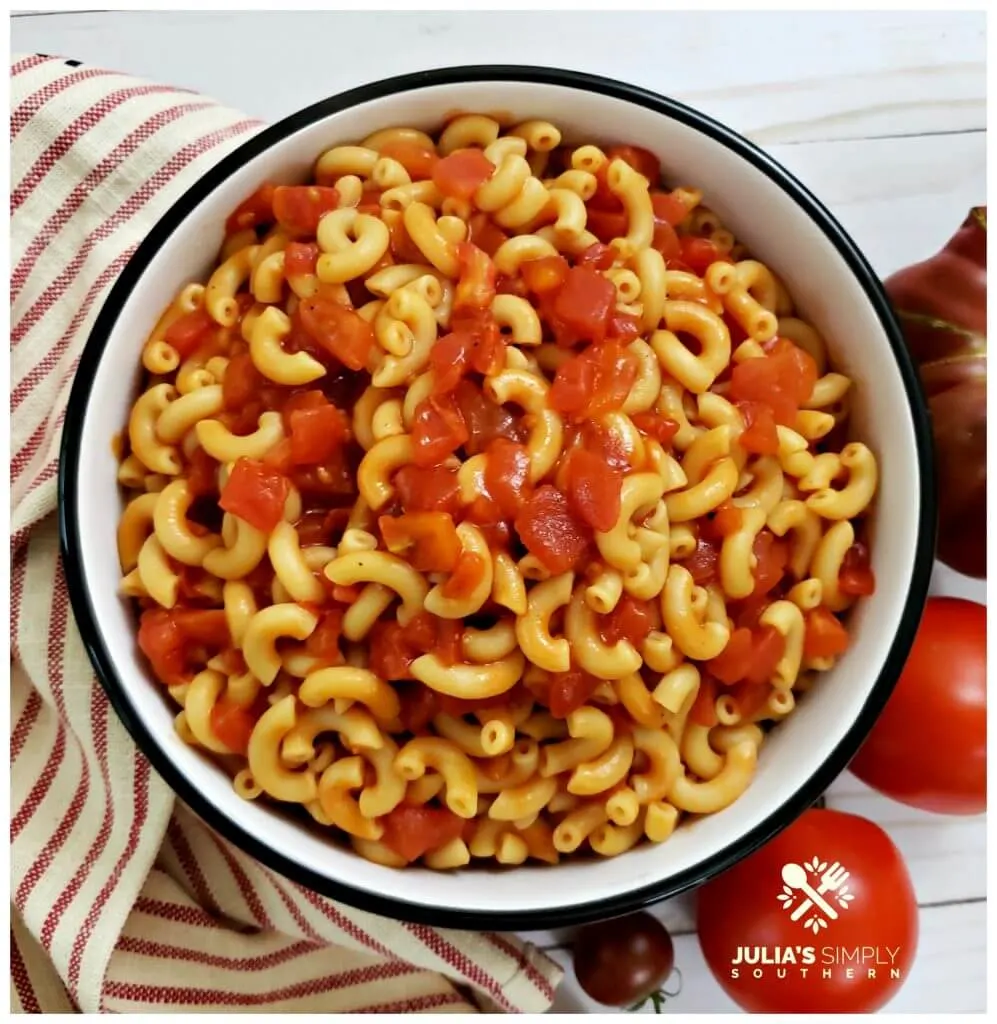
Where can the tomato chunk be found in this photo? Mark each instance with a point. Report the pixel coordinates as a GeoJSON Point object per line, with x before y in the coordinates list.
{"type": "Point", "coordinates": [594, 490]}
{"type": "Point", "coordinates": [256, 494]}
{"type": "Point", "coordinates": [732, 663]}
{"type": "Point", "coordinates": [413, 831]}
{"type": "Point", "coordinates": [483, 232]}
{"type": "Point", "coordinates": [545, 274]}
{"type": "Point", "coordinates": [759, 435]}
{"type": "Point", "coordinates": [782, 380]}
{"type": "Point", "coordinates": [768, 647]}
{"type": "Point", "coordinates": [300, 258]}
{"type": "Point", "coordinates": [597, 255]}
{"type": "Point", "coordinates": [438, 430]}
{"type": "Point", "coordinates": [430, 489]}
{"type": "Point", "coordinates": [252, 212]}
{"type": "Point", "coordinates": [189, 331]}
{"type": "Point", "coordinates": [856, 576]}
{"type": "Point", "coordinates": [466, 576]}
{"type": "Point", "coordinates": [417, 159]}
{"type": "Point", "coordinates": [419, 705]}
{"type": "Point", "coordinates": [727, 520]}
{"type": "Point", "coordinates": [669, 208]}
{"type": "Point", "coordinates": [824, 636]}
{"type": "Point", "coordinates": [317, 433]}
{"type": "Point", "coordinates": [298, 208]}
{"type": "Point", "coordinates": [594, 382]}
{"type": "Point", "coordinates": [507, 475]}
{"type": "Point", "coordinates": [702, 563]}
{"type": "Point", "coordinates": [568, 691]}
{"type": "Point", "coordinates": [232, 725]}
{"type": "Point", "coordinates": [485, 419]}
{"type": "Point", "coordinates": [551, 531]}
{"type": "Point", "coordinates": [340, 331]}
{"type": "Point", "coordinates": [476, 284]}
{"type": "Point", "coordinates": [771, 554]}
{"type": "Point", "coordinates": [631, 619]}
{"type": "Point", "coordinates": [643, 161]}
{"type": "Point", "coordinates": [584, 302]}
{"type": "Point", "coordinates": [164, 637]}
{"type": "Point", "coordinates": [704, 707]}
{"type": "Point", "coordinates": [459, 174]}
{"type": "Point", "coordinates": [698, 253]}
{"type": "Point", "coordinates": [427, 540]}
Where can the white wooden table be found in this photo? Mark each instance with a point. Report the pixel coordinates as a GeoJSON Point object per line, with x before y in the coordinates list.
{"type": "Point", "coordinates": [882, 115]}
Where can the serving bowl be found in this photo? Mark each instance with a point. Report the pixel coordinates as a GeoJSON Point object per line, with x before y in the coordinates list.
{"type": "Point", "coordinates": [783, 225]}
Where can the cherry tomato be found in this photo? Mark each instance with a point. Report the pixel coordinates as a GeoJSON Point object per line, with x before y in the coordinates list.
{"type": "Point", "coordinates": [622, 962]}
{"type": "Point", "coordinates": [769, 963]}
{"type": "Point", "coordinates": [928, 748]}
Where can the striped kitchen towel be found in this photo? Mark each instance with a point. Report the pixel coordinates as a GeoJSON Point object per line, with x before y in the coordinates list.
{"type": "Point", "coordinates": [122, 899]}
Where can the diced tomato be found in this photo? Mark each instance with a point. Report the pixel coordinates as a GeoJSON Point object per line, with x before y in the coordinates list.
{"type": "Point", "coordinates": [797, 368]}
{"type": "Point", "coordinates": [256, 494]}
{"type": "Point", "coordinates": [466, 576]}
{"type": "Point", "coordinates": [631, 619]}
{"type": "Point", "coordinates": [341, 331]}
{"type": "Point", "coordinates": [727, 520]}
{"type": "Point", "coordinates": [482, 339]}
{"type": "Point", "coordinates": [253, 212]}
{"type": "Point", "coordinates": [483, 232]}
{"type": "Point", "coordinates": [187, 333]}
{"type": "Point", "coordinates": [413, 831]}
{"type": "Point", "coordinates": [751, 698]}
{"type": "Point", "coordinates": [390, 656]}
{"type": "Point", "coordinates": [551, 531]}
{"type": "Point", "coordinates": [568, 691]}
{"type": "Point", "coordinates": [698, 253]}
{"type": "Point", "coordinates": [165, 635]}
{"type": "Point", "coordinates": [485, 419]}
{"type": "Point", "coordinates": [545, 274]}
{"type": "Point", "coordinates": [449, 640]}
{"type": "Point", "coordinates": [431, 489]}
{"type": "Point", "coordinates": [782, 380]}
{"type": "Point", "coordinates": [438, 430]}
{"type": "Point", "coordinates": [668, 207]}
{"type": "Point", "coordinates": [584, 302]}
{"type": "Point", "coordinates": [771, 554]}
{"type": "Point", "coordinates": [476, 283]}
{"type": "Point", "coordinates": [666, 241]}
{"type": "Point", "coordinates": [417, 159]}
{"type": "Point", "coordinates": [573, 387]}
{"type": "Point", "coordinates": [702, 563]}
{"type": "Point", "coordinates": [824, 635]}
{"type": "Point", "coordinates": [732, 663]}
{"type": "Point", "coordinates": [594, 382]}
{"type": "Point", "coordinates": [759, 435]}
{"type": "Point", "coordinates": [420, 632]}
{"type": "Point", "coordinates": [597, 256]}
{"type": "Point", "coordinates": [622, 327]}
{"type": "Point", "coordinates": [323, 643]}
{"type": "Point", "coordinates": [317, 433]}
{"type": "Point", "coordinates": [606, 224]}
{"type": "Point", "coordinates": [643, 161]}
{"type": "Point", "coordinates": [594, 490]}
{"type": "Point", "coordinates": [448, 360]}
{"type": "Point", "coordinates": [704, 707]}
{"type": "Point", "coordinates": [232, 725]}
{"type": "Point", "coordinates": [507, 475]}
{"type": "Point", "coordinates": [427, 540]}
{"type": "Point", "coordinates": [298, 208]}
{"type": "Point", "coordinates": [370, 200]}
{"type": "Point", "coordinates": [856, 576]}
{"type": "Point", "coordinates": [241, 383]}
{"type": "Point", "coordinates": [202, 474]}
{"type": "Point", "coordinates": [419, 705]}
{"type": "Point", "coordinates": [651, 424]}
{"type": "Point", "coordinates": [461, 173]}
{"type": "Point", "coordinates": [768, 647]}
{"type": "Point", "coordinates": [300, 258]}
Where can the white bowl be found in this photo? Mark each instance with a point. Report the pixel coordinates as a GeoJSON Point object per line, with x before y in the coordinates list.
{"type": "Point", "coordinates": [783, 225]}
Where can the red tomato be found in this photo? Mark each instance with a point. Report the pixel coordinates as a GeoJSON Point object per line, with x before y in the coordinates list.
{"type": "Point", "coordinates": [643, 161]}
{"type": "Point", "coordinates": [417, 159]}
{"type": "Point", "coordinates": [449, 641]}
{"type": "Point", "coordinates": [483, 232]}
{"type": "Point", "coordinates": [584, 302]}
{"type": "Point", "coordinates": [253, 211]}
{"type": "Point", "coordinates": [594, 490]}
{"type": "Point", "coordinates": [164, 637]}
{"type": "Point", "coordinates": [188, 332]}
{"type": "Point", "coordinates": [594, 382]}
{"type": "Point", "coordinates": [650, 424]}
{"type": "Point", "coordinates": [448, 359]}
{"type": "Point", "coordinates": [317, 433]}
{"type": "Point", "coordinates": [669, 208]}
{"type": "Point", "coordinates": [928, 748]}
{"type": "Point", "coordinates": [466, 576]}
{"type": "Point", "coordinates": [485, 419]}
{"type": "Point", "coordinates": [824, 636]}
{"type": "Point", "coordinates": [419, 705]}
{"type": "Point", "coordinates": [298, 208]}
{"type": "Point", "coordinates": [704, 707]}
{"type": "Point", "coordinates": [300, 258]}
{"type": "Point", "coordinates": [507, 475]}
{"type": "Point", "coordinates": [413, 831]}
{"type": "Point", "coordinates": [568, 691]}
{"type": "Point", "coordinates": [427, 540]}
{"type": "Point", "coordinates": [745, 925]}
{"type": "Point", "coordinates": [856, 576]}
{"type": "Point", "coordinates": [256, 494]}
{"type": "Point", "coordinates": [702, 563]}
{"type": "Point", "coordinates": [550, 531]}
{"type": "Point", "coordinates": [202, 473]}
{"type": "Point", "coordinates": [573, 387]}
{"type": "Point", "coordinates": [241, 383]}
{"type": "Point", "coordinates": [606, 224]}
{"type": "Point", "coordinates": [771, 555]}
{"type": "Point", "coordinates": [597, 256]}
{"type": "Point", "coordinates": [781, 380]}
{"type": "Point", "coordinates": [476, 284]}
{"type": "Point", "coordinates": [698, 254]}
{"type": "Point", "coordinates": [732, 663]}
{"type": "Point", "coordinates": [390, 656]}
{"type": "Point", "coordinates": [759, 435]}
{"type": "Point", "coordinates": [232, 725]}
{"type": "Point", "coordinates": [768, 647]}
{"type": "Point", "coordinates": [727, 520]}
{"type": "Point", "coordinates": [430, 489]}
{"type": "Point", "coordinates": [459, 174]}
{"type": "Point", "coordinates": [631, 620]}
{"type": "Point", "coordinates": [545, 274]}
{"type": "Point", "coordinates": [438, 430]}
{"type": "Point", "coordinates": [339, 330]}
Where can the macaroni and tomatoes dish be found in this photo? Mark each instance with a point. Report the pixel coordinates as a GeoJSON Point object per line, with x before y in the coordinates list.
{"type": "Point", "coordinates": [489, 500]}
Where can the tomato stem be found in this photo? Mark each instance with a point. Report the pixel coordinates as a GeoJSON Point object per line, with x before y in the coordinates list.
{"type": "Point", "coordinates": [660, 997]}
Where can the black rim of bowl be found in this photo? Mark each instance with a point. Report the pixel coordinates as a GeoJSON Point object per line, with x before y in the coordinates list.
{"type": "Point", "coordinates": [556, 915]}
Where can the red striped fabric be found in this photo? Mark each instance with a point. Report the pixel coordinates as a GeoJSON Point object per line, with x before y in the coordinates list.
{"type": "Point", "coordinates": [122, 900]}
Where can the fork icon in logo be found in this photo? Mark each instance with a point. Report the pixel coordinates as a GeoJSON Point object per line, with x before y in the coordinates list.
{"type": "Point", "coordinates": [833, 878]}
